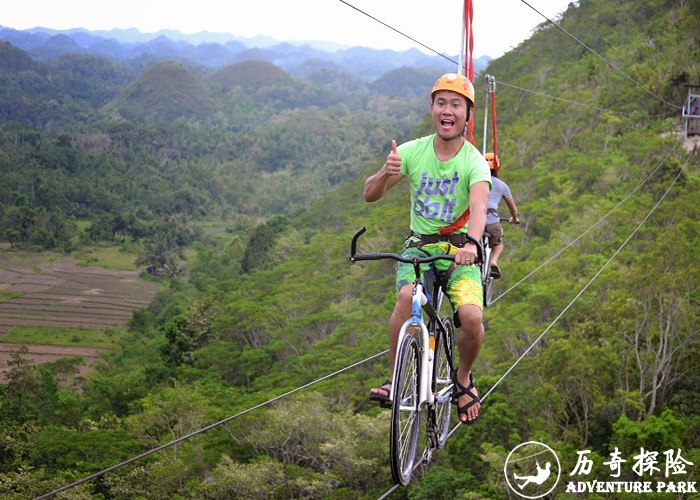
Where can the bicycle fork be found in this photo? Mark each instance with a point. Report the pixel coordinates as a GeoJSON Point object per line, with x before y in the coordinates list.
{"type": "Point", "coordinates": [415, 326]}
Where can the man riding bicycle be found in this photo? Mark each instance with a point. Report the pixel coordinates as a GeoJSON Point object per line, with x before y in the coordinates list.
{"type": "Point", "coordinates": [499, 191]}
{"type": "Point", "coordinates": [447, 176]}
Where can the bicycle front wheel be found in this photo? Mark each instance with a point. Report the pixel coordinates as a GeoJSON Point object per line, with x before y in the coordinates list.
{"type": "Point", "coordinates": [442, 380]}
{"type": "Point", "coordinates": [405, 410]}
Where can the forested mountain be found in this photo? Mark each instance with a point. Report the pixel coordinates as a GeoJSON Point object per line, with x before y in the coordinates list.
{"type": "Point", "coordinates": [85, 139]}
{"type": "Point", "coordinates": [595, 326]}
{"type": "Point", "coordinates": [209, 51]}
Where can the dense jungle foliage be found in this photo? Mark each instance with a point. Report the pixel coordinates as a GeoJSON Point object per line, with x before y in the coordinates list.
{"type": "Point", "coordinates": [90, 153]}
{"type": "Point", "coordinates": [598, 301]}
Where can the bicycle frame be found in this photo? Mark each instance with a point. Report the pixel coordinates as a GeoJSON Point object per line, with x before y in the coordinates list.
{"type": "Point", "coordinates": [426, 340]}
{"type": "Point", "coordinates": [434, 383]}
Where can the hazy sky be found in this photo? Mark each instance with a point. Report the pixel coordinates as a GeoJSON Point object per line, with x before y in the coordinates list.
{"type": "Point", "coordinates": [499, 25]}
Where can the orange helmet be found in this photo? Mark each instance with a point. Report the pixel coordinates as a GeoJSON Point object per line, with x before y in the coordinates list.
{"type": "Point", "coordinates": [493, 165]}
{"type": "Point", "coordinates": [455, 83]}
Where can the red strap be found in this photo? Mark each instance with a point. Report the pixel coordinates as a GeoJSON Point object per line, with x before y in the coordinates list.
{"type": "Point", "coordinates": [458, 224]}
{"type": "Point", "coordinates": [469, 57]}
{"type": "Point", "coordinates": [469, 73]}
{"type": "Point", "coordinates": [492, 91]}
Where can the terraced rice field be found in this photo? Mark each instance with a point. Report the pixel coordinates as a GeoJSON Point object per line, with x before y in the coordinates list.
{"type": "Point", "coordinates": [63, 294]}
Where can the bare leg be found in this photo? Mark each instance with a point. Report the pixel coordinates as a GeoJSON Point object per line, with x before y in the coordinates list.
{"type": "Point", "coordinates": [470, 337]}
{"type": "Point", "coordinates": [402, 311]}
{"type": "Point", "coordinates": [496, 251]}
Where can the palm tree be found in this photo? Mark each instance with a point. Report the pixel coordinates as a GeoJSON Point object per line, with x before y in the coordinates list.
{"type": "Point", "coordinates": [163, 252]}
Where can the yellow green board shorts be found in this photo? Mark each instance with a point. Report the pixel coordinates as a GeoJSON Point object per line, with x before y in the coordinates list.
{"type": "Point", "coordinates": [464, 286]}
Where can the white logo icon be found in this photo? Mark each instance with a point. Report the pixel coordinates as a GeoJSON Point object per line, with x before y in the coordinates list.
{"type": "Point", "coordinates": [532, 470]}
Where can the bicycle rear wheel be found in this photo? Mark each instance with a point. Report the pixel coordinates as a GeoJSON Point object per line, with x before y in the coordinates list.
{"type": "Point", "coordinates": [442, 379]}
{"type": "Point", "coordinates": [405, 411]}
{"type": "Point", "coordinates": [486, 279]}
{"type": "Point", "coordinates": [488, 290]}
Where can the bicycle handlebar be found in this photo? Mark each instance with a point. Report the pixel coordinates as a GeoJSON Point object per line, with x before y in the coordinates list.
{"type": "Point", "coordinates": [506, 219]}
{"type": "Point", "coordinates": [354, 256]}
{"type": "Point", "coordinates": [503, 219]}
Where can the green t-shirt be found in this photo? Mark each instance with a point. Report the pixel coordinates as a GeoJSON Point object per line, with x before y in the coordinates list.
{"type": "Point", "coordinates": [440, 190]}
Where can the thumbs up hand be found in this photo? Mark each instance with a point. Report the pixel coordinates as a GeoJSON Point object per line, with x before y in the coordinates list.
{"type": "Point", "coordinates": [393, 160]}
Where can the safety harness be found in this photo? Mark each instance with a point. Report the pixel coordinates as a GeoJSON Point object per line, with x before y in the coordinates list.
{"type": "Point", "coordinates": [457, 240]}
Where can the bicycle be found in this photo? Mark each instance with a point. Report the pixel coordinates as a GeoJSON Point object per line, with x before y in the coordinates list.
{"type": "Point", "coordinates": [423, 369]}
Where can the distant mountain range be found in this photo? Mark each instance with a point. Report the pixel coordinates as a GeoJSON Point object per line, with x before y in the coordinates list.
{"type": "Point", "coordinates": [206, 51]}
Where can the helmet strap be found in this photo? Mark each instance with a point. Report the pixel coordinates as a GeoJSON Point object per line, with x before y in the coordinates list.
{"type": "Point", "coordinates": [469, 114]}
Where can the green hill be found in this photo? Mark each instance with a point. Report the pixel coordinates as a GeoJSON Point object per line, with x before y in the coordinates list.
{"type": "Point", "coordinates": [249, 75]}
{"type": "Point", "coordinates": [14, 59]}
{"type": "Point", "coordinates": [165, 91]}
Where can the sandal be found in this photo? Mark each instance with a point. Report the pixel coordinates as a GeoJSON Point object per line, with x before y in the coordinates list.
{"type": "Point", "coordinates": [459, 391]}
{"type": "Point", "coordinates": [495, 271]}
{"type": "Point", "coordinates": [384, 397]}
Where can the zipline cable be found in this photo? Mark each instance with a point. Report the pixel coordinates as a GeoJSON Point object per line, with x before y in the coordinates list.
{"type": "Point", "coordinates": [204, 429]}
{"type": "Point", "coordinates": [460, 63]}
{"type": "Point", "coordinates": [568, 101]}
{"type": "Point", "coordinates": [590, 228]}
{"type": "Point", "coordinates": [578, 295]}
{"type": "Point", "coordinates": [397, 31]}
{"type": "Point", "coordinates": [559, 316]}
{"type": "Point", "coordinates": [580, 104]}
{"type": "Point", "coordinates": [602, 58]}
